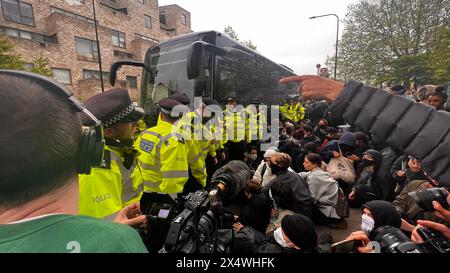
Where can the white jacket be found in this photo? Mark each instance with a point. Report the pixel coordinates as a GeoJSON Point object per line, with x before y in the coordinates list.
{"type": "Point", "coordinates": [324, 190]}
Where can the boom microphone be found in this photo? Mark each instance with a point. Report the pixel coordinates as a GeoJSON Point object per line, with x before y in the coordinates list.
{"type": "Point", "coordinates": [231, 179]}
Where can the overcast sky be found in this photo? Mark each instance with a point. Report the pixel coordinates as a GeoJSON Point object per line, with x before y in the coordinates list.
{"type": "Point", "coordinates": [280, 29]}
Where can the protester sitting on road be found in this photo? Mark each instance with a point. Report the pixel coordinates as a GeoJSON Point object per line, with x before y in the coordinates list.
{"type": "Point", "coordinates": [293, 145]}
{"type": "Point", "coordinates": [375, 214]}
{"type": "Point", "coordinates": [289, 191]}
{"type": "Point", "coordinates": [332, 134]}
{"type": "Point", "coordinates": [263, 173]}
{"type": "Point", "coordinates": [404, 170]}
{"type": "Point", "coordinates": [372, 185]}
{"type": "Point", "coordinates": [309, 136]}
{"type": "Point", "coordinates": [408, 127]}
{"type": "Point", "coordinates": [297, 165]}
{"type": "Point", "coordinates": [252, 158]}
{"type": "Point", "coordinates": [321, 129]}
{"type": "Point", "coordinates": [324, 190]}
{"type": "Point", "coordinates": [297, 234]}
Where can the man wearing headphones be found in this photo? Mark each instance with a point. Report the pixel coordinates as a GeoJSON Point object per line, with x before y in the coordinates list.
{"type": "Point", "coordinates": [118, 181]}
{"type": "Point", "coordinates": [43, 149]}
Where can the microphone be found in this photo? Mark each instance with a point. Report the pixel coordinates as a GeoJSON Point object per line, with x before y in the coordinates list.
{"type": "Point", "coordinates": [229, 180]}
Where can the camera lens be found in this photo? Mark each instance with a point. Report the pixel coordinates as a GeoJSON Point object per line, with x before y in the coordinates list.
{"type": "Point", "coordinates": [425, 198]}
{"type": "Point", "coordinates": [393, 240]}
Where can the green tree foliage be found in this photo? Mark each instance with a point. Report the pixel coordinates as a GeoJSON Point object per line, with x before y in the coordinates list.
{"type": "Point", "coordinates": [401, 41]}
{"type": "Point", "coordinates": [7, 59]}
{"type": "Point", "coordinates": [230, 31]}
{"type": "Point", "coordinates": [41, 66]}
{"type": "Point", "coordinates": [249, 44]}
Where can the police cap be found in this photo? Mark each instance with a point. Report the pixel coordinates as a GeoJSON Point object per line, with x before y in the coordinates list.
{"type": "Point", "coordinates": [111, 107]}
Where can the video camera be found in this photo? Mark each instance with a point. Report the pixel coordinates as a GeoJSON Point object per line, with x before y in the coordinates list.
{"type": "Point", "coordinates": [195, 223]}
{"type": "Point", "coordinates": [393, 240]}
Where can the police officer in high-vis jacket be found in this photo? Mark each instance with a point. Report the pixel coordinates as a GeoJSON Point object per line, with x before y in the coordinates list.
{"type": "Point", "coordinates": [163, 158]}
{"type": "Point", "coordinates": [118, 181]}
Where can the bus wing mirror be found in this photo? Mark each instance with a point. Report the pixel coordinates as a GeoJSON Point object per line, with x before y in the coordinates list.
{"type": "Point", "coordinates": [117, 65]}
{"type": "Point", "coordinates": [194, 57]}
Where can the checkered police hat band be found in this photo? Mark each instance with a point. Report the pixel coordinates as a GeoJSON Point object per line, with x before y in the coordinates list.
{"type": "Point", "coordinates": [120, 116]}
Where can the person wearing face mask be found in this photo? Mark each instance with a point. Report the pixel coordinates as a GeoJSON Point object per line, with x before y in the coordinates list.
{"type": "Point", "coordinates": [297, 234]}
{"type": "Point", "coordinates": [293, 146]}
{"type": "Point", "coordinates": [321, 129]}
{"type": "Point", "coordinates": [309, 136]}
{"type": "Point", "coordinates": [283, 133]}
{"type": "Point", "coordinates": [263, 174]}
{"type": "Point", "coordinates": [332, 134]}
{"type": "Point", "coordinates": [375, 214]}
{"type": "Point", "coordinates": [372, 185]}
{"type": "Point", "coordinates": [289, 191]}
{"type": "Point", "coordinates": [252, 158]}
{"type": "Point", "coordinates": [253, 206]}
{"type": "Point", "coordinates": [120, 176]}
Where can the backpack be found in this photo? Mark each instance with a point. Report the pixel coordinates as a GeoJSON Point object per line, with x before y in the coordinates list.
{"type": "Point", "coordinates": [342, 208]}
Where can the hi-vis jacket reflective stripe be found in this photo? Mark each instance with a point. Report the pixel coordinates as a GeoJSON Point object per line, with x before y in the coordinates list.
{"type": "Point", "coordinates": [163, 159]}
{"type": "Point", "coordinates": [235, 125]}
{"type": "Point", "coordinates": [110, 187]}
{"type": "Point", "coordinates": [196, 160]}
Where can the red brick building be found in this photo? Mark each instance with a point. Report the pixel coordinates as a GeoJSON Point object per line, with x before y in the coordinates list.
{"type": "Point", "coordinates": [64, 32]}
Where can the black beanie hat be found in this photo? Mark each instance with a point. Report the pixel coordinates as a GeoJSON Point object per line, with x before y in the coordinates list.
{"type": "Point", "coordinates": [300, 230]}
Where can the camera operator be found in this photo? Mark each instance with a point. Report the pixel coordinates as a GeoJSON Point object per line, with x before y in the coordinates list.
{"type": "Point", "coordinates": [441, 213]}
{"type": "Point", "coordinates": [409, 209]}
{"type": "Point", "coordinates": [42, 152]}
{"type": "Point", "coordinates": [375, 214]}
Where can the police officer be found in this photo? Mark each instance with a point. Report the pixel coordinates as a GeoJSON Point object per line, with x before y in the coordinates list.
{"type": "Point", "coordinates": [188, 126]}
{"type": "Point", "coordinates": [163, 157]}
{"type": "Point", "coordinates": [118, 181]}
{"type": "Point", "coordinates": [235, 129]}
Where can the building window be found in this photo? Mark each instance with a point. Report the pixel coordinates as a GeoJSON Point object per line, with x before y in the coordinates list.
{"type": "Point", "coordinates": [162, 18]}
{"type": "Point", "coordinates": [118, 38]}
{"type": "Point", "coordinates": [148, 21]}
{"type": "Point", "coordinates": [70, 14]}
{"type": "Point", "coordinates": [94, 74]}
{"type": "Point", "coordinates": [139, 36]}
{"type": "Point", "coordinates": [141, 2]}
{"type": "Point", "coordinates": [18, 11]}
{"type": "Point", "coordinates": [37, 37]}
{"type": "Point", "coordinates": [183, 19]}
{"type": "Point", "coordinates": [86, 50]}
{"type": "Point", "coordinates": [132, 81]}
{"type": "Point", "coordinates": [62, 75]}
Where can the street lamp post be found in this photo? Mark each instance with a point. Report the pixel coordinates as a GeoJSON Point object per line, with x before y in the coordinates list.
{"type": "Point", "coordinates": [337, 39]}
{"type": "Point", "coordinates": [98, 47]}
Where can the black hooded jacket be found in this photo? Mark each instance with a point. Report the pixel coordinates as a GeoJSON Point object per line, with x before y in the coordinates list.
{"type": "Point", "coordinates": [291, 192]}
{"type": "Point", "coordinates": [382, 184]}
{"type": "Point", "coordinates": [383, 214]}
{"type": "Point", "coordinates": [408, 127]}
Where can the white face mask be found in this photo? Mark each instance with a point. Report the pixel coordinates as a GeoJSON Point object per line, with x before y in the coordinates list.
{"type": "Point", "coordinates": [367, 224]}
{"type": "Point", "coordinates": [253, 157]}
{"type": "Point", "coordinates": [278, 235]}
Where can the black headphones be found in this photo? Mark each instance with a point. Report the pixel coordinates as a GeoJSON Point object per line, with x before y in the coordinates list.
{"type": "Point", "coordinates": [90, 149]}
